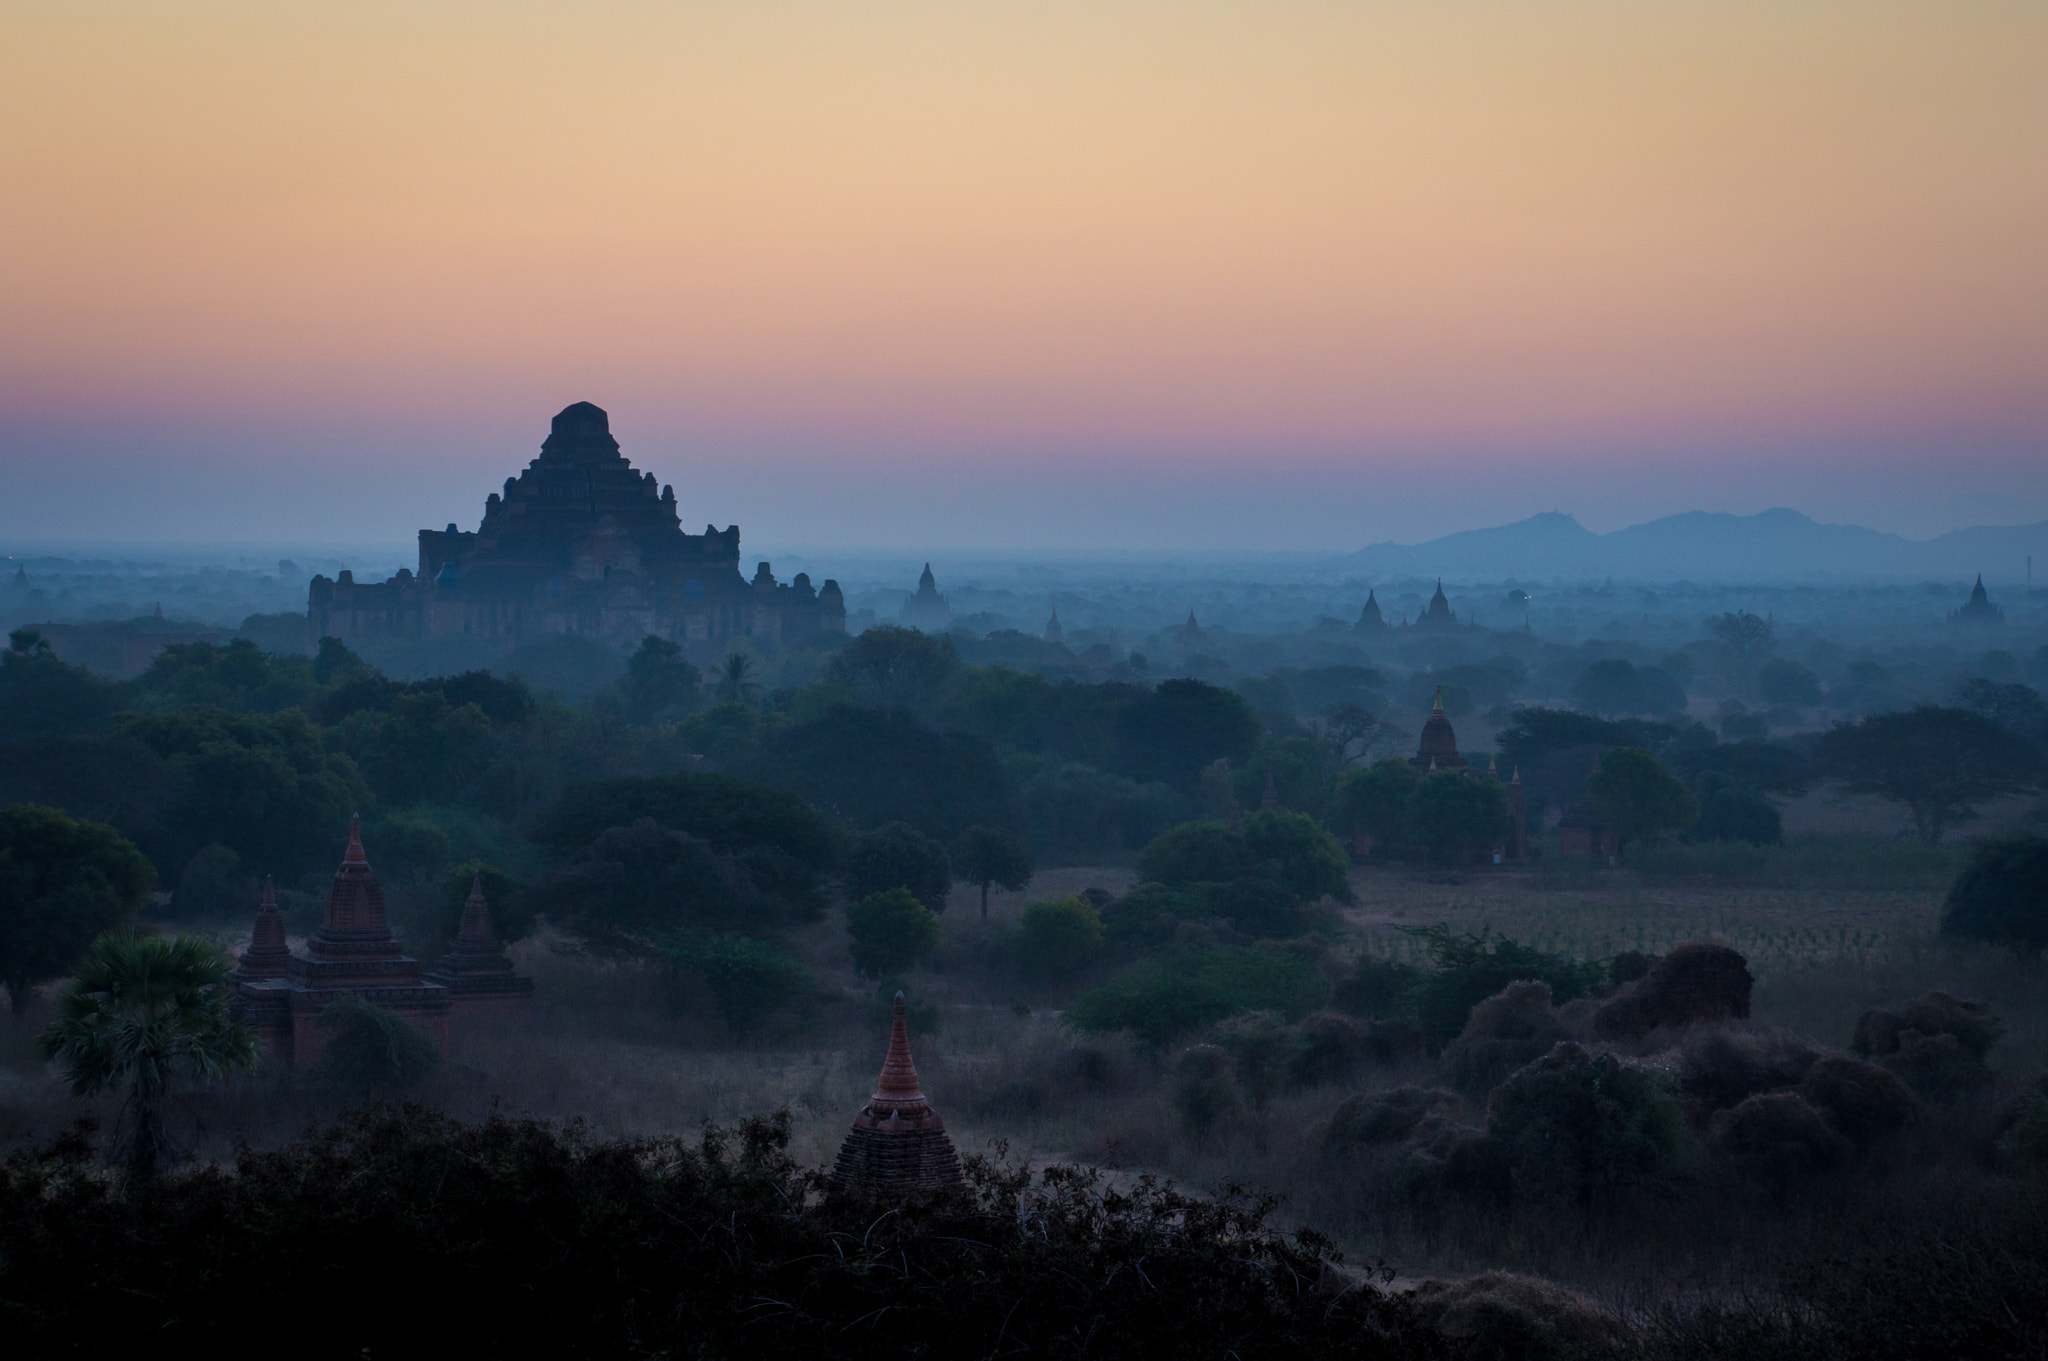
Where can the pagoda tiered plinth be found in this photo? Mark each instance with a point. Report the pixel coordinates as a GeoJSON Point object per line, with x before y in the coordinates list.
{"type": "Point", "coordinates": [476, 967]}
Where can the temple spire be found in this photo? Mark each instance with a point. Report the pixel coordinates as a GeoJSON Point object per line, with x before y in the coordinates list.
{"type": "Point", "coordinates": [897, 1090]}
{"type": "Point", "coordinates": [267, 955]}
{"type": "Point", "coordinates": [476, 918]}
{"type": "Point", "coordinates": [354, 854]}
{"type": "Point", "coordinates": [1438, 705]}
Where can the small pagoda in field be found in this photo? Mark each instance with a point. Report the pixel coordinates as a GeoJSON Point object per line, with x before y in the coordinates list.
{"type": "Point", "coordinates": [476, 967]}
{"type": "Point", "coordinates": [898, 1145]}
{"type": "Point", "coordinates": [352, 953]}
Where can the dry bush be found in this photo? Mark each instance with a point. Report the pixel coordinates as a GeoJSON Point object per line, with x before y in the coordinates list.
{"type": "Point", "coordinates": [1203, 1093]}
{"type": "Point", "coordinates": [1330, 1049]}
{"type": "Point", "coordinates": [1385, 1117]}
{"type": "Point", "coordinates": [1723, 1066]}
{"type": "Point", "coordinates": [1974, 1025]}
{"type": "Point", "coordinates": [1501, 1314]}
{"type": "Point", "coordinates": [1778, 1137]}
{"type": "Point", "coordinates": [1516, 1026]}
{"type": "Point", "coordinates": [1698, 981]}
{"type": "Point", "coordinates": [2020, 1129]}
{"type": "Point", "coordinates": [1394, 1042]}
{"type": "Point", "coordinates": [1861, 1100]}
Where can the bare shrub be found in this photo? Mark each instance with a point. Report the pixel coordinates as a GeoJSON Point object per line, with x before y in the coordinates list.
{"type": "Point", "coordinates": [1938, 1068]}
{"type": "Point", "coordinates": [1722, 1067]}
{"type": "Point", "coordinates": [1861, 1100]}
{"type": "Point", "coordinates": [2020, 1129]}
{"type": "Point", "coordinates": [1974, 1025]}
{"type": "Point", "coordinates": [1575, 1128]}
{"type": "Point", "coordinates": [1385, 1117]}
{"type": "Point", "coordinates": [1203, 1093]}
{"type": "Point", "coordinates": [1514, 1027]}
{"type": "Point", "coordinates": [1331, 1046]}
{"type": "Point", "coordinates": [1393, 1042]}
{"type": "Point", "coordinates": [1778, 1137]}
{"type": "Point", "coordinates": [1697, 981]}
{"type": "Point", "coordinates": [1502, 1314]}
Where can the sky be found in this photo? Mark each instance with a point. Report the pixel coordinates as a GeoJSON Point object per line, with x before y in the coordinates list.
{"type": "Point", "coordinates": [988, 275]}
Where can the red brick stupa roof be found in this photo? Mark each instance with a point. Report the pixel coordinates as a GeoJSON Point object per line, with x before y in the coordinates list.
{"type": "Point", "coordinates": [898, 1145]}
{"type": "Point", "coordinates": [267, 956]}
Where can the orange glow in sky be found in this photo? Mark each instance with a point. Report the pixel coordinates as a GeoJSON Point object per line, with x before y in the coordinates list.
{"type": "Point", "coordinates": [1306, 237]}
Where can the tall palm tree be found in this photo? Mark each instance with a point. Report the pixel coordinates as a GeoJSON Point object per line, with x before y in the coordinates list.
{"type": "Point", "coordinates": [736, 679]}
{"type": "Point", "coordinates": [142, 1013]}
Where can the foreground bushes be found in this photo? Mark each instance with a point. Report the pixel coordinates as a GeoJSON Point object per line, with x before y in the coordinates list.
{"type": "Point", "coordinates": [397, 1232]}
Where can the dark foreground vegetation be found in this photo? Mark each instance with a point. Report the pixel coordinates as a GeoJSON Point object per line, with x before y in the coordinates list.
{"type": "Point", "coordinates": [400, 1232]}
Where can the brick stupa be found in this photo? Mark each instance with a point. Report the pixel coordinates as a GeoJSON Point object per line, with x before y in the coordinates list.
{"type": "Point", "coordinates": [351, 953]}
{"type": "Point", "coordinates": [898, 1145]}
{"type": "Point", "coordinates": [476, 967]}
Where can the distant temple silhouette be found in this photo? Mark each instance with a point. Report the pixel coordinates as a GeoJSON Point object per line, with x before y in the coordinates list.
{"type": "Point", "coordinates": [580, 543]}
{"type": "Point", "coordinates": [927, 610]}
{"type": "Point", "coordinates": [1978, 609]}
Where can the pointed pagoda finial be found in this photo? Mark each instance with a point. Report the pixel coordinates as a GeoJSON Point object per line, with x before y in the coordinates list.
{"type": "Point", "coordinates": [898, 1090]}
{"type": "Point", "coordinates": [267, 956]}
{"type": "Point", "coordinates": [1492, 767]}
{"type": "Point", "coordinates": [1518, 776]}
{"type": "Point", "coordinates": [476, 932]}
{"type": "Point", "coordinates": [269, 894]}
{"type": "Point", "coordinates": [354, 854]}
{"type": "Point", "coordinates": [1437, 706]}
{"type": "Point", "coordinates": [1432, 765]}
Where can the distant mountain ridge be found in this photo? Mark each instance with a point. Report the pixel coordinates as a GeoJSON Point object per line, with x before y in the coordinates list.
{"type": "Point", "coordinates": [1709, 546]}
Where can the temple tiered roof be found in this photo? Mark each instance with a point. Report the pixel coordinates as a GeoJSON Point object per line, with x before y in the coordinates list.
{"type": "Point", "coordinates": [898, 1146]}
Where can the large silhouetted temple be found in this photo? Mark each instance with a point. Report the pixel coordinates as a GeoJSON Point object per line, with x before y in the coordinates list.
{"type": "Point", "coordinates": [580, 543]}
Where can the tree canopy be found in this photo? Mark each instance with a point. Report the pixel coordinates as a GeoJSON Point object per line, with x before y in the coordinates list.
{"type": "Point", "coordinates": [1938, 762]}
{"type": "Point", "coordinates": [1638, 799]}
{"type": "Point", "coordinates": [62, 883]}
{"type": "Point", "coordinates": [897, 855]}
{"type": "Point", "coordinates": [2001, 896]}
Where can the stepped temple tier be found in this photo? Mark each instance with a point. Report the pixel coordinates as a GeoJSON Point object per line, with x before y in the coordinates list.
{"type": "Point", "coordinates": [353, 953]}
{"type": "Point", "coordinates": [580, 543]}
{"type": "Point", "coordinates": [898, 1145]}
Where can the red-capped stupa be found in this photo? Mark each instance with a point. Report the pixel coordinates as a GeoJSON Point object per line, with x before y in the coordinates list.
{"type": "Point", "coordinates": [352, 953]}
{"type": "Point", "coordinates": [476, 967]}
{"type": "Point", "coordinates": [267, 956]}
{"type": "Point", "coordinates": [1439, 747]}
{"type": "Point", "coordinates": [898, 1145]}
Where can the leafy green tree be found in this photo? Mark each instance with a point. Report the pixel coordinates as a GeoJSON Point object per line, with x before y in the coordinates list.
{"type": "Point", "coordinates": [1457, 815]}
{"type": "Point", "coordinates": [746, 978]}
{"type": "Point", "coordinates": [334, 664]}
{"type": "Point", "coordinates": [2016, 708]}
{"type": "Point", "coordinates": [1172, 732]}
{"type": "Point", "coordinates": [1937, 762]}
{"type": "Point", "coordinates": [892, 932]}
{"type": "Point", "coordinates": [1196, 853]}
{"type": "Point", "coordinates": [1076, 812]}
{"type": "Point", "coordinates": [1784, 681]}
{"type": "Point", "coordinates": [62, 883]}
{"type": "Point", "coordinates": [421, 748]}
{"type": "Point", "coordinates": [897, 855]}
{"type": "Point", "coordinates": [1468, 969]}
{"type": "Point", "coordinates": [1576, 1129]}
{"type": "Point", "coordinates": [238, 676]}
{"type": "Point", "coordinates": [736, 683]}
{"type": "Point", "coordinates": [787, 847]}
{"type": "Point", "coordinates": [660, 681]}
{"type": "Point", "coordinates": [635, 890]}
{"type": "Point", "coordinates": [2001, 896]}
{"type": "Point", "coordinates": [1732, 811]}
{"type": "Point", "coordinates": [1293, 850]}
{"type": "Point", "coordinates": [1744, 634]}
{"type": "Point", "coordinates": [1351, 730]}
{"type": "Point", "coordinates": [1058, 938]}
{"type": "Point", "coordinates": [142, 1014]}
{"type": "Point", "coordinates": [872, 766]}
{"type": "Point", "coordinates": [264, 785]}
{"type": "Point", "coordinates": [1160, 1000]}
{"type": "Point", "coordinates": [1301, 768]}
{"type": "Point", "coordinates": [367, 1048]}
{"type": "Point", "coordinates": [216, 885]}
{"type": "Point", "coordinates": [891, 667]}
{"type": "Point", "coordinates": [987, 856]}
{"type": "Point", "coordinates": [1638, 799]}
{"type": "Point", "coordinates": [1615, 688]}
{"type": "Point", "coordinates": [1377, 802]}
{"type": "Point", "coordinates": [42, 696]}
